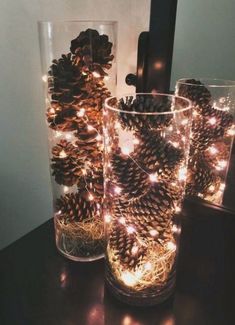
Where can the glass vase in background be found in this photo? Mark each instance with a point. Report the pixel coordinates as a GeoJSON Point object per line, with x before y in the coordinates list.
{"type": "Point", "coordinates": [145, 164]}
{"type": "Point", "coordinates": [212, 135]}
{"type": "Point", "coordinates": [79, 72]}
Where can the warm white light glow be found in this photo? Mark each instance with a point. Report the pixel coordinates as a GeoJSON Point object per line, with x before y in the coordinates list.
{"type": "Point", "coordinates": [153, 177]}
{"type": "Point", "coordinates": [96, 74]}
{"type": "Point", "coordinates": [107, 218]}
{"type": "Point", "coordinates": [68, 136]}
{"type": "Point", "coordinates": [213, 150]}
{"type": "Point", "coordinates": [90, 197]}
{"type": "Point", "coordinates": [231, 131]}
{"type": "Point", "coordinates": [130, 229]}
{"type": "Point", "coordinates": [175, 229]}
{"type": "Point", "coordinates": [171, 246]}
{"type": "Point", "coordinates": [44, 78]}
{"type": "Point", "coordinates": [58, 134]}
{"type": "Point", "coordinates": [134, 250]}
{"type": "Point", "coordinates": [184, 121]}
{"type": "Point", "coordinates": [148, 266]}
{"type": "Point", "coordinates": [211, 188]}
{"type": "Point", "coordinates": [122, 220]}
{"type": "Point", "coordinates": [182, 174]}
{"type": "Point", "coordinates": [62, 154]}
{"type": "Point", "coordinates": [200, 195]}
{"type": "Point", "coordinates": [177, 209]}
{"type": "Point", "coordinates": [212, 120]}
{"type": "Point", "coordinates": [106, 78]}
{"type": "Point", "coordinates": [84, 73]}
{"type": "Point", "coordinates": [222, 186]}
{"type": "Point", "coordinates": [153, 232]}
{"type": "Point", "coordinates": [98, 137]}
{"type": "Point", "coordinates": [117, 125]}
{"type": "Point", "coordinates": [90, 127]}
{"type": "Point", "coordinates": [66, 189]}
{"type": "Point", "coordinates": [136, 141]}
{"type": "Point", "coordinates": [52, 110]}
{"type": "Point", "coordinates": [129, 279]}
{"type": "Point", "coordinates": [81, 112]}
{"type": "Point", "coordinates": [117, 190]}
{"type": "Point", "coordinates": [170, 128]}
{"type": "Point", "coordinates": [195, 113]}
{"type": "Point", "coordinates": [175, 144]}
{"type": "Point", "coordinates": [126, 150]}
{"type": "Point", "coordinates": [84, 171]}
{"type": "Point", "coordinates": [221, 164]}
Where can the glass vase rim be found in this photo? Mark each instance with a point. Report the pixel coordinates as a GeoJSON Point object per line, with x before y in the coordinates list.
{"type": "Point", "coordinates": [189, 102]}
{"type": "Point", "coordinates": [208, 82]}
{"type": "Point", "coordinates": [98, 21]}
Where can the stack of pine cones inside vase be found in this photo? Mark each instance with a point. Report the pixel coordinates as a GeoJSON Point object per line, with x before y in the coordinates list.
{"type": "Point", "coordinates": [210, 142]}
{"type": "Point", "coordinates": [76, 89]}
{"type": "Point", "coordinates": [144, 193]}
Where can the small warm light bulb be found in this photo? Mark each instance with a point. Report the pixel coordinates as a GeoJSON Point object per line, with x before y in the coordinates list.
{"type": "Point", "coordinates": [221, 164]}
{"type": "Point", "coordinates": [211, 188]}
{"type": "Point", "coordinates": [153, 177]}
{"type": "Point", "coordinates": [106, 78]}
{"type": "Point", "coordinates": [62, 154]}
{"type": "Point", "coordinates": [68, 136]}
{"type": "Point", "coordinates": [153, 232]}
{"type": "Point", "coordinates": [213, 150]}
{"type": "Point", "coordinates": [212, 120]}
{"type": "Point", "coordinates": [81, 112]}
{"type": "Point", "coordinates": [134, 250]}
{"type": "Point", "coordinates": [117, 125]}
{"type": "Point", "coordinates": [89, 127]}
{"type": "Point", "coordinates": [107, 218]}
{"type": "Point", "coordinates": [175, 229]}
{"type": "Point", "coordinates": [128, 278]}
{"type": "Point", "coordinates": [122, 220]}
{"type": "Point", "coordinates": [44, 78]}
{"type": "Point", "coordinates": [117, 190]}
{"type": "Point", "coordinates": [148, 266]}
{"type": "Point", "coordinates": [125, 150]}
{"type": "Point", "coordinates": [90, 197]}
{"type": "Point", "coordinates": [195, 113]}
{"type": "Point", "coordinates": [171, 246]}
{"type": "Point", "coordinates": [130, 229]}
{"type": "Point", "coordinates": [84, 73]}
{"type": "Point", "coordinates": [177, 209]}
{"type": "Point", "coordinates": [222, 187]}
{"type": "Point", "coordinates": [170, 128]}
{"type": "Point", "coordinates": [58, 134]}
{"type": "Point", "coordinates": [182, 174]}
{"type": "Point", "coordinates": [175, 144]}
{"type": "Point", "coordinates": [66, 189]}
{"type": "Point", "coordinates": [96, 74]}
{"type": "Point", "coordinates": [184, 121]}
{"type": "Point", "coordinates": [84, 171]}
{"type": "Point", "coordinates": [98, 137]}
{"type": "Point", "coordinates": [200, 195]}
{"type": "Point", "coordinates": [52, 110]}
{"type": "Point", "coordinates": [136, 141]}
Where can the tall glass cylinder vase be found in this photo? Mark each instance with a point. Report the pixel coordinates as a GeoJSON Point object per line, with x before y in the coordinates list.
{"type": "Point", "coordinates": [79, 72]}
{"type": "Point", "coordinates": [212, 135]}
{"type": "Point", "coordinates": [145, 165]}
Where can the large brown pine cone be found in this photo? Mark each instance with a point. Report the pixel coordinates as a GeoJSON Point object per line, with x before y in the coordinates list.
{"type": "Point", "coordinates": [155, 154]}
{"type": "Point", "coordinates": [143, 104]}
{"type": "Point", "coordinates": [76, 207]}
{"type": "Point", "coordinates": [123, 243]}
{"type": "Point", "coordinates": [200, 177]}
{"type": "Point", "coordinates": [131, 179]}
{"type": "Point", "coordinates": [65, 80]}
{"type": "Point", "coordinates": [66, 163]}
{"type": "Point", "coordinates": [92, 50]}
{"type": "Point", "coordinates": [195, 91]}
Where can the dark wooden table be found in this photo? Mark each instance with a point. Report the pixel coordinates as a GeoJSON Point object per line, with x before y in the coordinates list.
{"type": "Point", "coordinates": [38, 286]}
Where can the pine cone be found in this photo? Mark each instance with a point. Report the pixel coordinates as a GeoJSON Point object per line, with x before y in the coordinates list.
{"type": "Point", "coordinates": [66, 163]}
{"type": "Point", "coordinates": [93, 50]}
{"type": "Point", "coordinates": [122, 243]}
{"type": "Point", "coordinates": [76, 207]}
{"type": "Point", "coordinates": [155, 154]}
{"type": "Point", "coordinates": [93, 182]}
{"type": "Point", "coordinates": [196, 92]}
{"type": "Point", "coordinates": [65, 81]}
{"type": "Point", "coordinates": [132, 180]}
{"type": "Point", "coordinates": [222, 152]}
{"type": "Point", "coordinates": [200, 177]}
{"type": "Point", "coordinates": [144, 104]}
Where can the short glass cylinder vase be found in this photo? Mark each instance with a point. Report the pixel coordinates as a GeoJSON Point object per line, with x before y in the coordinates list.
{"type": "Point", "coordinates": [145, 164]}
{"type": "Point", "coordinates": [79, 72]}
{"type": "Point", "coordinates": [213, 131]}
